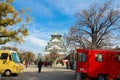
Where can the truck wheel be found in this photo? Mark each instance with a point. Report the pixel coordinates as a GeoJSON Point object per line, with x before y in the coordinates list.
{"type": "Point", "coordinates": [7, 73]}
{"type": "Point", "coordinates": [101, 77]}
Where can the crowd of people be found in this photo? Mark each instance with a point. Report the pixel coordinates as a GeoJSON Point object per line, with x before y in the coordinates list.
{"type": "Point", "coordinates": [69, 64]}
{"type": "Point", "coordinates": [41, 63]}
{"type": "Point", "coordinates": [46, 64]}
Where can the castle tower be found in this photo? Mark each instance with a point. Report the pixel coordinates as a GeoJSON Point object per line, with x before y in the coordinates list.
{"type": "Point", "coordinates": [55, 43]}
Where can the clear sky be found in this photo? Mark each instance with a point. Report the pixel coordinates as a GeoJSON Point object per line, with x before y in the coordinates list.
{"type": "Point", "coordinates": [49, 16]}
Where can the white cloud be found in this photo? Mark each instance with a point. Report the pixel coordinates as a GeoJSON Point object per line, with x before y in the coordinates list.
{"type": "Point", "coordinates": [44, 31]}
{"type": "Point", "coordinates": [70, 7]}
{"type": "Point", "coordinates": [36, 41]}
{"type": "Point", "coordinates": [36, 7]}
{"type": "Point", "coordinates": [41, 9]}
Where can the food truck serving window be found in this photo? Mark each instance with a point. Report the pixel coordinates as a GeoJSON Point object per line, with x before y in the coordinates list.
{"type": "Point", "coordinates": [98, 57]}
{"type": "Point", "coordinates": [81, 57]}
{"type": "Point", "coordinates": [117, 58]}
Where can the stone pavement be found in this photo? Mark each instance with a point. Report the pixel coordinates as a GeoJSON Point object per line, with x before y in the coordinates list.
{"type": "Point", "coordinates": [47, 73]}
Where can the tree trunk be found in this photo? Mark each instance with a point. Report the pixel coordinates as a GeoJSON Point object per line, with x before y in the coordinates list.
{"type": "Point", "coordinates": [55, 61]}
{"type": "Point", "coordinates": [94, 39]}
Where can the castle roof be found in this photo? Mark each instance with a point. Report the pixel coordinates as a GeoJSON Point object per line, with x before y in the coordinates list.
{"type": "Point", "coordinates": [55, 40]}
{"type": "Point", "coordinates": [56, 33]}
{"type": "Point", "coordinates": [55, 46]}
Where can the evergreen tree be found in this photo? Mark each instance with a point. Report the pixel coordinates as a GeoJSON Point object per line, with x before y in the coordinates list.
{"type": "Point", "coordinates": [9, 18]}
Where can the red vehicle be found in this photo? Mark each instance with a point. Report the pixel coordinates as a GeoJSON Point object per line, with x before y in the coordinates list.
{"type": "Point", "coordinates": [100, 64]}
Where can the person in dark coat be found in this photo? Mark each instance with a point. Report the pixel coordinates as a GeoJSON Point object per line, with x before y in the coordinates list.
{"type": "Point", "coordinates": [40, 63]}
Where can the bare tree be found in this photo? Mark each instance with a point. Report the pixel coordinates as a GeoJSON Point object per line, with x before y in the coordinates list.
{"type": "Point", "coordinates": [54, 55]}
{"type": "Point", "coordinates": [95, 27]}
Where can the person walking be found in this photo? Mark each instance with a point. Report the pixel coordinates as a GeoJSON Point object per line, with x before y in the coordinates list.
{"type": "Point", "coordinates": [40, 63]}
{"type": "Point", "coordinates": [26, 64]}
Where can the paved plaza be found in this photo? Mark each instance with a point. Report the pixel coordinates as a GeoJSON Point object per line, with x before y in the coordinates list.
{"type": "Point", "coordinates": [47, 73]}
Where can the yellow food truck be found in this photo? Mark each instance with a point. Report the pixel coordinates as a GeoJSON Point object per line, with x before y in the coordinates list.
{"type": "Point", "coordinates": [10, 63]}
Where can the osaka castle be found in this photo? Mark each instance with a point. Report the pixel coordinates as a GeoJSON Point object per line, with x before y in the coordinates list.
{"type": "Point", "coordinates": [55, 43]}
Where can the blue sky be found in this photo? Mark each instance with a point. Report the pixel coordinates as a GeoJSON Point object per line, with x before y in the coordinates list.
{"type": "Point", "coordinates": [49, 16]}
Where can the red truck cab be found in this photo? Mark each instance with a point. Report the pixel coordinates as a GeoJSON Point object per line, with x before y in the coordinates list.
{"type": "Point", "coordinates": [101, 64]}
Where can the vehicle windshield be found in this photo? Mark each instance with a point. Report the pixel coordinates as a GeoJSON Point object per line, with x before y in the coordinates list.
{"type": "Point", "coordinates": [81, 57]}
{"type": "Point", "coordinates": [15, 57]}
